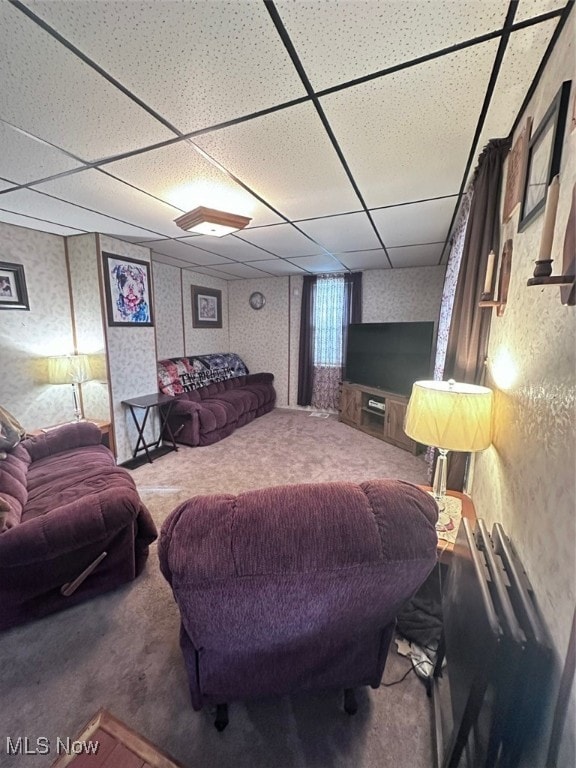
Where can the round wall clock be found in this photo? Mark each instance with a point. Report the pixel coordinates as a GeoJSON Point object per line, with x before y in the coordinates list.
{"type": "Point", "coordinates": [257, 300]}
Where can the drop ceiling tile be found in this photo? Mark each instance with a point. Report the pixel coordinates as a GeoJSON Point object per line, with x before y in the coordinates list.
{"type": "Point", "coordinates": [99, 192]}
{"type": "Point", "coordinates": [57, 97]}
{"type": "Point", "coordinates": [5, 184]}
{"type": "Point", "coordinates": [25, 159]}
{"type": "Point", "coordinates": [416, 255]}
{"type": "Point", "coordinates": [279, 267]}
{"type": "Point", "coordinates": [425, 222]}
{"type": "Point", "coordinates": [407, 136]}
{"type": "Point", "coordinates": [527, 9]}
{"type": "Point", "coordinates": [288, 159]}
{"type": "Point", "coordinates": [212, 273]}
{"type": "Point", "coordinates": [342, 233]}
{"type": "Point", "coordinates": [372, 259]}
{"type": "Point", "coordinates": [161, 258]}
{"type": "Point", "coordinates": [31, 223]}
{"type": "Point", "coordinates": [240, 270]}
{"type": "Point", "coordinates": [181, 177]}
{"type": "Point", "coordinates": [182, 250]}
{"type": "Point", "coordinates": [319, 264]}
{"type": "Point", "coordinates": [282, 240]}
{"type": "Point", "coordinates": [196, 63]}
{"type": "Point", "coordinates": [521, 60]}
{"type": "Point", "coordinates": [31, 203]}
{"type": "Point", "coordinates": [337, 42]}
{"type": "Point", "coordinates": [232, 247]}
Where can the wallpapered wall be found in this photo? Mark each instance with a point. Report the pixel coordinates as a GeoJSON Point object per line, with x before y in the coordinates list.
{"type": "Point", "coordinates": [168, 310]}
{"type": "Point", "coordinates": [28, 338]}
{"type": "Point", "coordinates": [526, 480]}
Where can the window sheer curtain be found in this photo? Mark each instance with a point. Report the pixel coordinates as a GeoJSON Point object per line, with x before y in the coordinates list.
{"type": "Point", "coordinates": [329, 304]}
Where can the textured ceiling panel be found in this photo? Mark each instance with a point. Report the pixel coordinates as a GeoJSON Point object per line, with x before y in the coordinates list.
{"type": "Point", "coordinates": [342, 233]}
{"type": "Point", "coordinates": [282, 240]}
{"type": "Point", "coordinates": [425, 222]}
{"type": "Point", "coordinates": [181, 250]}
{"type": "Point", "coordinates": [58, 98]}
{"type": "Point", "coordinates": [196, 63]}
{"type": "Point", "coordinates": [231, 247]}
{"type": "Point", "coordinates": [279, 267]}
{"type": "Point", "coordinates": [288, 159]}
{"type": "Point", "coordinates": [163, 259]}
{"type": "Point", "coordinates": [416, 255]}
{"type": "Point", "coordinates": [374, 259]}
{"type": "Point", "coordinates": [5, 185]}
{"type": "Point", "coordinates": [240, 270]}
{"type": "Point", "coordinates": [407, 136]}
{"type": "Point", "coordinates": [99, 192]}
{"type": "Point", "coordinates": [179, 175]}
{"type": "Point", "coordinates": [339, 41]}
{"type": "Point", "coordinates": [529, 8]}
{"type": "Point", "coordinates": [319, 264]}
{"type": "Point", "coordinates": [212, 273]}
{"type": "Point", "coordinates": [24, 159]}
{"type": "Point", "coordinates": [43, 226]}
{"type": "Point", "coordinates": [43, 207]}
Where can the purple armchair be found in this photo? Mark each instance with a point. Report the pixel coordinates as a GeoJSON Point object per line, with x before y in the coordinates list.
{"type": "Point", "coordinates": [295, 587]}
{"type": "Point", "coordinates": [71, 524]}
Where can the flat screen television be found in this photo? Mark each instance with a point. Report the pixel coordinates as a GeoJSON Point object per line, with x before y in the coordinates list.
{"type": "Point", "coordinates": [390, 356]}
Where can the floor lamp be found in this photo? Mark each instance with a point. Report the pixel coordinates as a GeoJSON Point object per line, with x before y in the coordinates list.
{"type": "Point", "coordinates": [70, 369]}
{"type": "Point", "coordinates": [450, 416]}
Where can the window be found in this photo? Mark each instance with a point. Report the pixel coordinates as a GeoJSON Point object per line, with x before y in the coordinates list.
{"type": "Point", "coordinates": [328, 321]}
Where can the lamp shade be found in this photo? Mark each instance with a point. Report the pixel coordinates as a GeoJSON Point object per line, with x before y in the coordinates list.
{"type": "Point", "coordinates": [68, 369]}
{"type": "Point", "coordinates": [450, 415]}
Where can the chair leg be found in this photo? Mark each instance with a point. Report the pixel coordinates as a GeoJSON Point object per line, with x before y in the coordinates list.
{"type": "Point", "coordinates": [221, 720]}
{"type": "Point", "coordinates": [350, 703]}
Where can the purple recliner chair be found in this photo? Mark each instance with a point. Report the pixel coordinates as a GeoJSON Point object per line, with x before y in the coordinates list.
{"type": "Point", "coordinates": [296, 587]}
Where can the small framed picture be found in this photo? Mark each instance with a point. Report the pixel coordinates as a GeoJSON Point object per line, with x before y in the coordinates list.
{"type": "Point", "coordinates": [206, 307]}
{"type": "Point", "coordinates": [544, 155]}
{"type": "Point", "coordinates": [128, 290]}
{"type": "Point", "coordinates": [13, 293]}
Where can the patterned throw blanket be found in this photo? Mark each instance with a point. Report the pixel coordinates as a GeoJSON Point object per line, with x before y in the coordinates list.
{"type": "Point", "coordinates": [183, 374]}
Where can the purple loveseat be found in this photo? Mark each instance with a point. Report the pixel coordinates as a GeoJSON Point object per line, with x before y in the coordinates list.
{"type": "Point", "coordinates": [214, 394]}
{"type": "Point", "coordinates": [294, 587]}
{"type": "Point", "coordinates": [64, 502]}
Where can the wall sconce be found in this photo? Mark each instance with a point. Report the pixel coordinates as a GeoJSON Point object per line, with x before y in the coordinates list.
{"type": "Point", "coordinates": [209, 221]}
{"type": "Point", "coordinates": [70, 369]}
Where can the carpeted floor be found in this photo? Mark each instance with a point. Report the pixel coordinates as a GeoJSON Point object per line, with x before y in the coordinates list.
{"type": "Point", "coordinates": [121, 651]}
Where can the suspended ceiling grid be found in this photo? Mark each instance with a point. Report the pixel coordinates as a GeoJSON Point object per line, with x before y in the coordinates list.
{"type": "Point", "coordinates": [346, 129]}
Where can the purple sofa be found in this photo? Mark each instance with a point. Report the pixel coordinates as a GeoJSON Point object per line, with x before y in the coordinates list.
{"type": "Point", "coordinates": [295, 587]}
{"type": "Point", "coordinates": [214, 394]}
{"type": "Point", "coordinates": [63, 502]}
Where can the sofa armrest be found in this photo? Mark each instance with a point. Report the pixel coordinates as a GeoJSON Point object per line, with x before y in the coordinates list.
{"type": "Point", "coordinates": [260, 378]}
{"type": "Point", "coordinates": [92, 519]}
{"type": "Point", "coordinates": [183, 407]}
{"type": "Point", "coordinates": [64, 438]}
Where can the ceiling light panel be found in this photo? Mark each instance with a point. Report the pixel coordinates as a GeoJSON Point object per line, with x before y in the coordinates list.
{"type": "Point", "coordinates": [24, 159]}
{"type": "Point", "coordinates": [182, 250]}
{"type": "Point", "coordinates": [58, 98]}
{"type": "Point", "coordinates": [319, 264]}
{"type": "Point", "coordinates": [337, 42]}
{"type": "Point", "coordinates": [43, 226]}
{"type": "Point", "coordinates": [282, 240]}
{"type": "Point", "coordinates": [180, 176]}
{"type": "Point", "coordinates": [342, 233]}
{"type": "Point", "coordinates": [187, 60]}
{"type": "Point", "coordinates": [372, 259]}
{"type": "Point", "coordinates": [232, 247]}
{"type": "Point", "coordinates": [31, 203]}
{"type": "Point", "coordinates": [407, 136]}
{"type": "Point", "coordinates": [288, 159]}
{"type": "Point", "coordinates": [416, 255]}
{"type": "Point", "coordinates": [425, 222]}
{"type": "Point", "coordinates": [521, 60]}
{"type": "Point", "coordinates": [103, 194]}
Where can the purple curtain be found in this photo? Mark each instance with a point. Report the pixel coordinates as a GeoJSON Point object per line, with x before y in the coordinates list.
{"type": "Point", "coordinates": [306, 355]}
{"type": "Point", "coordinates": [470, 326]}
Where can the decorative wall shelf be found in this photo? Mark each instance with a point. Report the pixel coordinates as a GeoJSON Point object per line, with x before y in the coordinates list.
{"type": "Point", "coordinates": [503, 282]}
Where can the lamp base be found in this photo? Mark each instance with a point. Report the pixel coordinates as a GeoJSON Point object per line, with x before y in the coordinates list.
{"type": "Point", "coordinates": [440, 473]}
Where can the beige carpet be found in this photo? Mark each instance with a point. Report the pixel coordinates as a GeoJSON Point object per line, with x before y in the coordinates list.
{"type": "Point", "coordinates": [120, 651]}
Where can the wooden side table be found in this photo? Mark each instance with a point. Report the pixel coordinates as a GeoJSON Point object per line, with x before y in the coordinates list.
{"type": "Point", "coordinates": [146, 403]}
{"type": "Point", "coordinates": [445, 548]}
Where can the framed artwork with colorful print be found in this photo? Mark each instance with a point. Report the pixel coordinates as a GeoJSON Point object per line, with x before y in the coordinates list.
{"type": "Point", "coordinates": [128, 290]}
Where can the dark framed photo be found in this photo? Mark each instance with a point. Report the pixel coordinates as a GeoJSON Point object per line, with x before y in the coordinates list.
{"type": "Point", "coordinates": [13, 293]}
{"type": "Point", "coordinates": [128, 290]}
{"type": "Point", "coordinates": [544, 155]}
{"type": "Point", "coordinates": [206, 307]}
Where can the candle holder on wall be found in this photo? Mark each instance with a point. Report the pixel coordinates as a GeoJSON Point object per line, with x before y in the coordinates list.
{"type": "Point", "coordinates": [500, 300]}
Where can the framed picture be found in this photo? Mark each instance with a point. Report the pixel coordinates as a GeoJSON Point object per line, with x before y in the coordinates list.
{"type": "Point", "coordinates": [516, 171]}
{"type": "Point", "coordinates": [544, 154]}
{"type": "Point", "coordinates": [206, 307]}
{"type": "Point", "coordinates": [13, 293]}
{"type": "Point", "coordinates": [128, 290]}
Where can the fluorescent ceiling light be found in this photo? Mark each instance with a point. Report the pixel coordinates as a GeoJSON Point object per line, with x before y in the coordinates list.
{"type": "Point", "coordinates": [208, 221]}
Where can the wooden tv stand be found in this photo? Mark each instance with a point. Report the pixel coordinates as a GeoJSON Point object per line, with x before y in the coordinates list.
{"type": "Point", "coordinates": [386, 424]}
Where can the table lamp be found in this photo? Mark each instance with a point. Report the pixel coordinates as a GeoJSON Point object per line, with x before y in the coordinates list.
{"type": "Point", "coordinates": [69, 369]}
{"type": "Point", "coordinates": [450, 416]}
